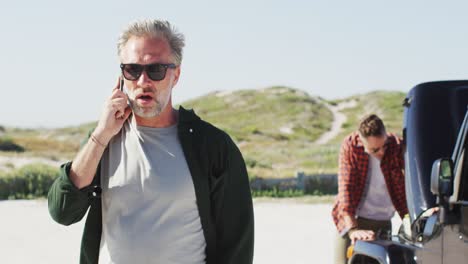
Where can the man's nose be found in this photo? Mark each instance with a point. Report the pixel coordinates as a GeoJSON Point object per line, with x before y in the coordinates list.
{"type": "Point", "coordinates": [381, 152]}
{"type": "Point", "coordinates": [143, 79]}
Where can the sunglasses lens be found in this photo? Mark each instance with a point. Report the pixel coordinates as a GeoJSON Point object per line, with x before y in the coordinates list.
{"type": "Point", "coordinates": [156, 72]}
{"type": "Point", "coordinates": [132, 71]}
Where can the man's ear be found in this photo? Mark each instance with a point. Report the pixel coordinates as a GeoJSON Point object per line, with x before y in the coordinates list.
{"type": "Point", "coordinates": [176, 75]}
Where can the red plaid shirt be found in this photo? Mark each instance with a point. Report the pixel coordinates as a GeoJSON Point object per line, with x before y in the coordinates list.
{"type": "Point", "coordinates": [352, 176]}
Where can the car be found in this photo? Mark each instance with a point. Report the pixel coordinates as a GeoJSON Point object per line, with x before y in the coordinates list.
{"type": "Point", "coordinates": [435, 231]}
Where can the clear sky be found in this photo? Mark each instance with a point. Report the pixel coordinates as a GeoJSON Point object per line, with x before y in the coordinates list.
{"type": "Point", "coordinates": [59, 59]}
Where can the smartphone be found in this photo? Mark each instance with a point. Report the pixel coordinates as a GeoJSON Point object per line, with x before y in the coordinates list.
{"type": "Point", "coordinates": [121, 84]}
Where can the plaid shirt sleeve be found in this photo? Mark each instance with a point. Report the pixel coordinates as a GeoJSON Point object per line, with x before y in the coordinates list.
{"type": "Point", "coordinates": [351, 181]}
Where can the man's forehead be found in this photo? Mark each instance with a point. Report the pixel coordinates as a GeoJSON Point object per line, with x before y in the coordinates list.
{"type": "Point", "coordinates": [146, 48]}
{"type": "Point", "coordinates": [376, 141]}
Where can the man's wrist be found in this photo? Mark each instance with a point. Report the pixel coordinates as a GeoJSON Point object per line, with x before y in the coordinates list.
{"type": "Point", "coordinates": [101, 136]}
{"type": "Point", "coordinates": [97, 141]}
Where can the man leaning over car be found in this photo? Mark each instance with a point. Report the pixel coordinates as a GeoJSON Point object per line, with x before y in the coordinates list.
{"type": "Point", "coordinates": [371, 185]}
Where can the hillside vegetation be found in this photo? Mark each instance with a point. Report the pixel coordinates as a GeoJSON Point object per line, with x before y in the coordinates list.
{"type": "Point", "coordinates": [387, 105]}
{"type": "Point", "coordinates": [275, 128]}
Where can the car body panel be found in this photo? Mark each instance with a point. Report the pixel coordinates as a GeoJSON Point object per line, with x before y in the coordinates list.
{"type": "Point", "coordinates": [433, 117]}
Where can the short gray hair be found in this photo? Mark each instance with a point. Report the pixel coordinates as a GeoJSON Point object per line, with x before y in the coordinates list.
{"type": "Point", "coordinates": [154, 28]}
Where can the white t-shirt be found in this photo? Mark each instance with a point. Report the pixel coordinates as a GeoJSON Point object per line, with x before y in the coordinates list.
{"type": "Point", "coordinates": [376, 203]}
{"type": "Point", "coordinates": [149, 210]}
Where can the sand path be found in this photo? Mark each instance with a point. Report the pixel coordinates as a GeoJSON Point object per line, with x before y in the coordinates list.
{"type": "Point", "coordinates": [338, 120]}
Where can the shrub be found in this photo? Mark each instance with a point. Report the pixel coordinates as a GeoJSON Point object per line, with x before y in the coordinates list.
{"type": "Point", "coordinates": [321, 185]}
{"type": "Point", "coordinates": [7, 144]}
{"type": "Point", "coordinates": [277, 193]}
{"type": "Point", "coordinates": [28, 182]}
{"type": "Point", "coordinates": [249, 162]}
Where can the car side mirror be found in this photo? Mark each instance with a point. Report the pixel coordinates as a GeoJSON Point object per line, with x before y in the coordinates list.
{"type": "Point", "coordinates": [442, 177]}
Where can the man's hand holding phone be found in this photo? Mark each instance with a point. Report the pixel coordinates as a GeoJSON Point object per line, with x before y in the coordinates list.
{"type": "Point", "coordinates": [116, 111]}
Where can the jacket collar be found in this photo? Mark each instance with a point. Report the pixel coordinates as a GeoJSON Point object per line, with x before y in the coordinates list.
{"type": "Point", "coordinates": [187, 116]}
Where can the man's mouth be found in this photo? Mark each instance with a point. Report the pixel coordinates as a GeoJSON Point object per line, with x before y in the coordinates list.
{"type": "Point", "coordinates": [145, 98]}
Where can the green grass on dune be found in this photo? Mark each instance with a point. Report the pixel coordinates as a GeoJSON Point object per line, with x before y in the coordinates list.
{"type": "Point", "coordinates": [277, 113]}
{"type": "Point", "coordinates": [273, 127]}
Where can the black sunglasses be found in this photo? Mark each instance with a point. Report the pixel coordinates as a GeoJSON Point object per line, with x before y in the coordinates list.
{"type": "Point", "coordinates": [375, 150]}
{"type": "Point", "coordinates": [155, 71]}
{"type": "Point", "coordinates": [384, 147]}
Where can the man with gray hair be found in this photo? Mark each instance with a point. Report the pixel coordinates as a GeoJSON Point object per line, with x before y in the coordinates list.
{"type": "Point", "coordinates": [161, 185]}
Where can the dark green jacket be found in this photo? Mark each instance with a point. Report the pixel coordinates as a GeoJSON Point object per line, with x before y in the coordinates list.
{"type": "Point", "coordinates": [221, 188]}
